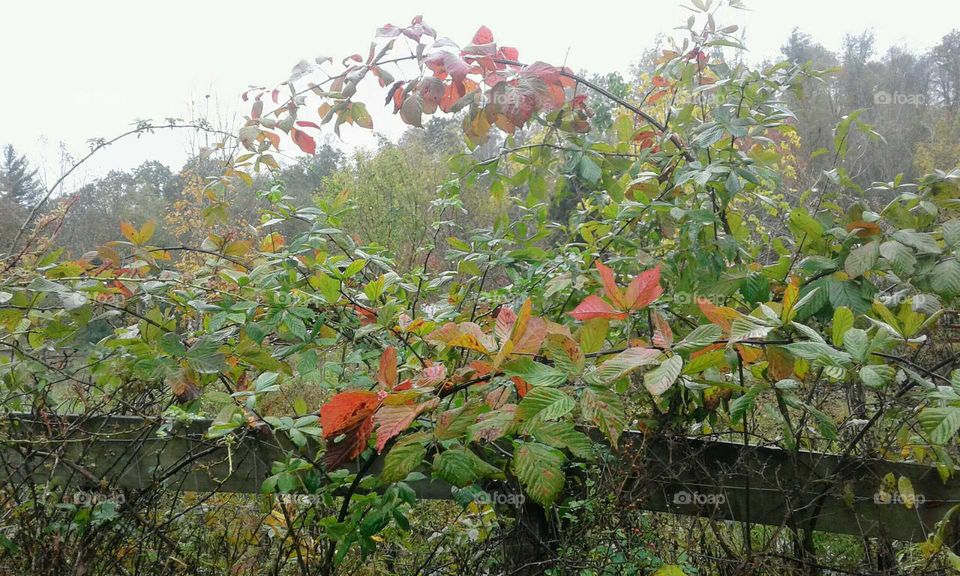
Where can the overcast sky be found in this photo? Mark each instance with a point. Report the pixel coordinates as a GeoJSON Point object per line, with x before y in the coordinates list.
{"type": "Point", "coordinates": [74, 70]}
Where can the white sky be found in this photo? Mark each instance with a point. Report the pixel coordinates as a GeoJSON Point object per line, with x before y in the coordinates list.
{"type": "Point", "coordinates": [74, 70]}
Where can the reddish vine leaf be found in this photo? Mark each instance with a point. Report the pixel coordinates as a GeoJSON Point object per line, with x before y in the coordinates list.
{"type": "Point", "coordinates": [387, 374]}
{"type": "Point", "coordinates": [304, 141]}
{"type": "Point", "coordinates": [353, 443]}
{"type": "Point", "coordinates": [483, 36]}
{"type": "Point", "coordinates": [610, 287]}
{"type": "Point", "coordinates": [395, 416]}
{"type": "Point", "coordinates": [505, 320]}
{"type": "Point", "coordinates": [345, 410]}
{"type": "Point", "coordinates": [644, 289]}
{"type": "Point", "coordinates": [595, 307]}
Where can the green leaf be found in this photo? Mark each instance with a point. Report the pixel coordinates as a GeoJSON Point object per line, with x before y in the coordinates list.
{"type": "Point", "coordinates": [589, 170]}
{"type": "Point", "coordinates": [626, 362]}
{"type": "Point", "coordinates": [748, 328]}
{"type": "Point", "coordinates": [945, 278]}
{"type": "Point", "coordinates": [805, 223]}
{"type": "Point", "coordinates": [204, 358]}
{"type": "Point", "coordinates": [942, 423]}
{"type": "Point", "coordinates": [755, 288]}
{"type": "Point", "coordinates": [862, 259]}
{"type": "Point", "coordinates": [743, 403]}
{"type": "Point", "coordinates": [170, 344]}
{"type": "Point", "coordinates": [535, 373]}
{"type": "Point", "coordinates": [856, 342]}
{"type": "Point", "coordinates": [563, 435]}
{"type": "Point", "coordinates": [661, 378]}
{"type": "Point", "coordinates": [592, 334]}
{"type": "Point", "coordinates": [604, 408]}
{"type": "Point", "coordinates": [900, 257]}
{"type": "Point", "coordinates": [819, 351]}
{"type": "Point", "coordinates": [460, 466]}
{"type": "Point", "coordinates": [540, 470]}
{"type": "Point", "coordinates": [842, 321]}
{"type": "Point", "coordinates": [951, 233]}
{"type": "Point", "coordinates": [402, 459]}
{"type": "Point", "coordinates": [701, 336]}
{"type": "Point", "coordinates": [543, 404]}
{"type": "Point", "coordinates": [877, 375]}
{"type": "Point", "coordinates": [922, 242]}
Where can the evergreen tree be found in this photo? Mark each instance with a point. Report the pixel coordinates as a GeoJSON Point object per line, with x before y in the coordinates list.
{"type": "Point", "coordinates": [18, 182]}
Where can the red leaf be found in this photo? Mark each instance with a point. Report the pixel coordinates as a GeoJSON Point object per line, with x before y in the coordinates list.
{"type": "Point", "coordinates": [483, 36]}
{"type": "Point", "coordinates": [644, 289]}
{"type": "Point", "coordinates": [522, 386]}
{"type": "Point", "coordinates": [545, 72]}
{"type": "Point", "coordinates": [392, 419]}
{"type": "Point", "coordinates": [351, 446]}
{"type": "Point", "coordinates": [595, 307]}
{"type": "Point", "coordinates": [610, 285]}
{"type": "Point", "coordinates": [387, 375]}
{"type": "Point", "coordinates": [304, 141]}
{"type": "Point", "coordinates": [366, 316]}
{"type": "Point", "coordinates": [447, 64]}
{"type": "Point", "coordinates": [345, 410]}
{"type": "Point", "coordinates": [509, 53]}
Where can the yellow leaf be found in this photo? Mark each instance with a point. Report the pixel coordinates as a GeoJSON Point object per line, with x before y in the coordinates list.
{"type": "Point", "coordinates": [128, 231]}
{"type": "Point", "coordinates": [146, 231]}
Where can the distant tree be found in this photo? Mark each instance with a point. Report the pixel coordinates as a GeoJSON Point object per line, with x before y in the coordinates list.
{"type": "Point", "coordinates": [136, 196]}
{"type": "Point", "coordinates": [946, 70]}
{"type": "Point", "coordinates": [11, 216]}
{"type": "Point", "coordinates": [18, 182]}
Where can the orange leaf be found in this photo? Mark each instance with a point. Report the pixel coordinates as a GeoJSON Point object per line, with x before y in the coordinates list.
{"type": "Point", "coordinates": [522, 386]}
{"type": "Point", "coordinates": [128, 231]}
{"type": "Point", "coordinates": [779, 363]}
{"type": "Point", "coordinates": [644, 289]}
{"type": "Point", "coordinates": [345, 410]}
{"type": "Point", "coordinates": [387, 375]}
{"type": "Point", "coordinates": [663, 335]}
{"type": "Point", "coordinates": [719, 315]}
{"type": "Point", "coordinates": [272, 242]}
{"type": "Point", "coordinates": [595, 307]}
{"type": "Point", "coordinates": [464, 335]}
{"type": "Point", "coordinates": [610, 286]}
{"type": "Point", "coordinates": [864, 228]}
